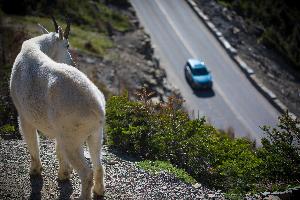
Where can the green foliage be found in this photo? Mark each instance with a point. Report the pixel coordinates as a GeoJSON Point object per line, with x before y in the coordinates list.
{"type": "Point", "coordinates": [280, 151]}
{"type": "Point", "coordinates": [280, 20]}
{"type": "Point", "coordinates": [7, 129]}
{"type": "Point", "coordinates": [88, 14]}
{"type": "Point", "coordinates": [165, 132]}
{"type": "Point", "coordinates": [8, 49]}
{"type": "Point", "coordinates": [158, 166]}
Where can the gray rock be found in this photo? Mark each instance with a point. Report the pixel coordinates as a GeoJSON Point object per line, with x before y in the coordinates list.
{"type": "Point", "coordinates": [197, 185]}
{"type": "Point", "coordinates": [272, 197]}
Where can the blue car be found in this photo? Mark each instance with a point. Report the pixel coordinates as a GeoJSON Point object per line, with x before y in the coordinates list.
{"type": "Point", "coordinates": [197, 74]}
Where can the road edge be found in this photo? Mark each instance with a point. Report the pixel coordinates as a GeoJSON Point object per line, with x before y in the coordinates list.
{"type": "Point", "coordinates": [232, 52]}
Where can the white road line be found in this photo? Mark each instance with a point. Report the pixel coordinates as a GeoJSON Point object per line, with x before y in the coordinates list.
{"type": "Point", "coordinates": [190, 50]}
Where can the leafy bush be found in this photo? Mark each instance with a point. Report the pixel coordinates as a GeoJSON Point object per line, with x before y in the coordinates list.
{"type": "Point", "coordinates": [281, 151]}
{"type": "Point", "coordinates": [165, 132]}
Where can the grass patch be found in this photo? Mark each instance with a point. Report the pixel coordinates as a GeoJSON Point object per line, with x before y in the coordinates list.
{"type": "Point", "coordinates": [224, 3]}
{"type": "Point", "coordinates": [118, 22]}
{"type": "Point", "coordinates": [158, 166]}
{"type": "Point", "coordinates": [87, 41]}
{"type": "Point", "coordinates": [7, 129]}
{"type": "Point", "coordinates": [93, 15]}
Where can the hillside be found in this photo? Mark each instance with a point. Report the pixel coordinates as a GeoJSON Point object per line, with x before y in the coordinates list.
{"type": "Point", "coordinates": [278, 21]}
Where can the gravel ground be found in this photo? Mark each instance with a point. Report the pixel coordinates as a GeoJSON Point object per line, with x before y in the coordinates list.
{"type": "Point", "coordinates": [123, 179]}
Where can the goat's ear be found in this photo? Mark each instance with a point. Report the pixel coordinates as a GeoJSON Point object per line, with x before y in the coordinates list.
{"type": "Point", "coordinates": [60, 33]}
{"type": "Point", "coordinates": [43, 29]}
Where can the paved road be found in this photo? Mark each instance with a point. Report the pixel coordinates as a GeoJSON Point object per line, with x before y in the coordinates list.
{"type": "Point", "coordinates": [177, 35]}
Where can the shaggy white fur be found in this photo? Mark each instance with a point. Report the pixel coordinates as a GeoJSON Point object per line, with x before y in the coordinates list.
{"type": "Point", "coordinates": [60, 101]}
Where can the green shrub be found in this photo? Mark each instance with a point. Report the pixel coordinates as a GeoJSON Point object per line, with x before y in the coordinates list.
{"type": "Point", "coordinates": [281, 151]}
{"type": "Point", "coordinates": [165, 132]}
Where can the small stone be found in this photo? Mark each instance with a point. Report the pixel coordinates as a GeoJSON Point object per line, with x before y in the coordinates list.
{"type": "Point", "coordinates": [112, 162]}
{"type": "Point", "coordinates": [272, 197]}
{"type": "Point", "coordinates": [90, 60]}
{"type": "Point", "coordinates": [265, 193]}
{"type": "Point", "coordinates": [235, 30]}
{"type": "Point", "coordinates": [197, 185]}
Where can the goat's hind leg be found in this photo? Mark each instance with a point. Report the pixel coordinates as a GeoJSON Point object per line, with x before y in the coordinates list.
{"type": "Point", "coordinates": [74, 154]}
{"type": "Point", "coordinates": [95, 144]}
{"type": "Point", "coordinates": [30, 135]}
{"type": "Point", "coordinates": [65, 169]}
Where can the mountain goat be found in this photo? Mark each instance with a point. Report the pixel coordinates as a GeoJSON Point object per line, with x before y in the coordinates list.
{"type": "Point", "coordinates": [60, 101]}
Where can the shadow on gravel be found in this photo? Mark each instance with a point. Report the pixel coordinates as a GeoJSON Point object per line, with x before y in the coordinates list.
{"type": "Point", "coordinates": [36, 187]}
{"type": "Point", "coordinates": [123, 155]}
{"type": "Point", "coordinates": [206, 93]}
{"type": "Point", "coordinates": [65, 189]}
{"type": "Point", "coordinates": [95, 197]}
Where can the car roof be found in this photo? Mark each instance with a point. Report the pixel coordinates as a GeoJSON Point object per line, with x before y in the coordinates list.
{"type": "Point", "coordinates": [195, 63]}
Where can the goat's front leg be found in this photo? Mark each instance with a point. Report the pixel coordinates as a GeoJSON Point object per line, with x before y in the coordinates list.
{"type": "Point", "coordinates": [65, 169]}
{"type": "Point", "coordinates": [94, 143]}
{"type": "Point", "coordinates": [30, 135]}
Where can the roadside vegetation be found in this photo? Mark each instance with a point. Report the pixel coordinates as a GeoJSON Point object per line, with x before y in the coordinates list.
{"type": "Point", "coordinates": [164, 132]}
{"type": "Point", "coordinates": [279, 21]}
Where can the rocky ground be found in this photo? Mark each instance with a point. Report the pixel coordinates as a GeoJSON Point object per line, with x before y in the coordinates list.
{"type": "Point", "coordinates": [270, 67]}
{"type": "Point", "coordinates": [124, 180]}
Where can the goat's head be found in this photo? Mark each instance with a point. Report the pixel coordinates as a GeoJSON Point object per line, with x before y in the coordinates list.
{"type": "Point", "coordinates": [59, 50]}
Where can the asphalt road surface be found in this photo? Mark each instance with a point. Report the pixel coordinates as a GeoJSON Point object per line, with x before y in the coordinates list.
{"type": "Point", "coordinates": [177, 35]}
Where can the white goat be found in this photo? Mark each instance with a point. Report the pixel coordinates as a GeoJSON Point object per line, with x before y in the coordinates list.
{"type": "Point", "coordinates": [60, 101]}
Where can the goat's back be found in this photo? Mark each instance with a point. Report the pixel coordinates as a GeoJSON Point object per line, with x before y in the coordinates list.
{"type": "Point", "coordinates": [55, 97]}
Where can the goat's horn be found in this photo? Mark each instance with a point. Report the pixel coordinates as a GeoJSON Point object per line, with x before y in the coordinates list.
{"type": "Point", "coordinates": [55, 24]}
{"type": "Point", "coordinates": [60, 33]}
{"type": "Point", "coordinates": [67, 30]}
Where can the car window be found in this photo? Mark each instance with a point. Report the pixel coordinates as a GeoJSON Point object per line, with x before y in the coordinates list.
{"type": "Point", "coordinates": [200, 71]}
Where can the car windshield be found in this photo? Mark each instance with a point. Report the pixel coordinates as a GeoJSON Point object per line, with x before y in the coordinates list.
{"type": "Point", "coordinates": [200, 71]}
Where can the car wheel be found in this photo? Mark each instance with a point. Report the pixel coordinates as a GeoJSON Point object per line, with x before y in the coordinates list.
{"type": "Point", "coordinates": [186, 75]}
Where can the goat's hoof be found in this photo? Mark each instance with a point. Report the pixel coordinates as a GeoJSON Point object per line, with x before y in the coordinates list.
{"type": "Point", "coordinates": [37, 171]}
{"type": "Point", "coordinates": [99, 190]}
{"type": "Point", "coordinates": [84, 198]}
{"type": "Point", "coordinates": [64, 176]}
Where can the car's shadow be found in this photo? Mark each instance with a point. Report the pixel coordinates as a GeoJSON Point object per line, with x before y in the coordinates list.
{"type": "Point", "coordinates": [204, 93]}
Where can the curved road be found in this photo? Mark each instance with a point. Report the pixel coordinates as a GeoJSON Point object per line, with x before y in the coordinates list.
{"type": "Point", "coordinates": [178, 34]}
